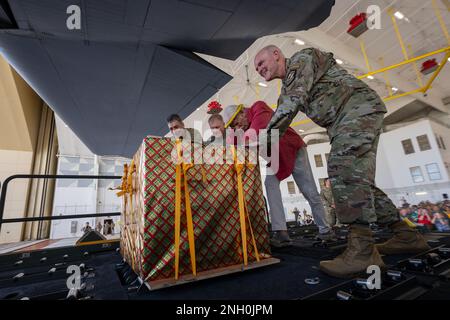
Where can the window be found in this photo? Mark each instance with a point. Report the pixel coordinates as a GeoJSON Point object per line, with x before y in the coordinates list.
{"type": "Point", "coordinates": [318, 160]}
{"type": "Point", "coordinates": [438, 142]}
{"type": "Point", "coordinates": [73, 226]}
{"type": "Point", "coordinates": [291, 187]}
{"type": "Point", "coordinates": [433, 171]}
{"type": "Point", "coordinates": [424, 143]}
{"type": "Point", "coordinates": [408, 146]}
{"type": "Point", "coordinates": [416, 174]}
{"type": "Point", "coordinates": [442, 143]}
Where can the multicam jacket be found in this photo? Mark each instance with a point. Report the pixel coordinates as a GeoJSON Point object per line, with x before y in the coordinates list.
{"type": "Point", "coordinates": [317, 86]}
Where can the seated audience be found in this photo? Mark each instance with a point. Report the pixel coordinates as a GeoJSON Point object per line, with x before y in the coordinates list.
{"type": "Point", "coordinates": [440, 222]}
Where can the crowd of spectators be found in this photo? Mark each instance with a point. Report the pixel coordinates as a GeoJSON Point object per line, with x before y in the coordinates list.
{"type": "Point", "coordinates": [434, 216]}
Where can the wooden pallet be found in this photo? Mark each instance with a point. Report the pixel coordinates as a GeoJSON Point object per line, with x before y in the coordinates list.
{"type": "Point", "coordinates": [165, 283]}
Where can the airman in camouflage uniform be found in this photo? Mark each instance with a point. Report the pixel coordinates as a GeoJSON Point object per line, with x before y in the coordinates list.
{"type": "Point", "coordinates": [328, 202]}
{"type": "Point", "coordinates": [353, 115]}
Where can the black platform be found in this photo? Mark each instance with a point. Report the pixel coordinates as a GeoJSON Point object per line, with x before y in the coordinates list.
{"type": "Point", "coordinates": [104, 276]}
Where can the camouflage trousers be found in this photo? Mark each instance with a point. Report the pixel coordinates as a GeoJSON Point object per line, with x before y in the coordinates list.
{"type": "Point", "coordinates": [351, 168]}
{"type": "Point", "coordinates": [331, 217]}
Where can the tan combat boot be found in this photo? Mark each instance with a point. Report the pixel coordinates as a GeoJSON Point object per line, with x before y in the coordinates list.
{"type": "Point", "coordinates": [405, 240]}
{"type": "Point", "coordinates": [360, 254]}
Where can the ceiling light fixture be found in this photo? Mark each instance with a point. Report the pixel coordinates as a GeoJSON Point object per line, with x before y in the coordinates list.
{"type": "Point", "coordinates": [370, 77]}
{"type": "Point", "coordinates": [262, 84]}
{"type": "Point", "coordinates": [299, 42]}
{"type": "Point", "coordinates": [394, 89]}
{"type": "Point", "coordinates": [422, 193]}
{"type": "Point", "coordinates": [301, 130]}
{"type": "Point", "coordinates": [399, 15]}
{"type": "Point", "coordinates": [339, 61]}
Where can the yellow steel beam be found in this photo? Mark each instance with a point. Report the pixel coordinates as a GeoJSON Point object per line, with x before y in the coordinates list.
{"type": "Point", "coordinates": [386, 79]}
{"type": "Point", "coordinates": [97, 242]}
{"type": "Point", "coordinates": [418, 74]}
{"type": "Point", "coordinates": [441, 21]}
{"type": "Point", "coordinates": [422, 89]}
{"type": "Point", "coordinates": [404, 62]}
{"type": "Point", "coordinates": [397, 32]}
{"type": "Point", "coordinates": [446, 4]}
{"type": "Point", "coordinates": [407, 60]}
{"type": "Point", "coordinates": [435, 74]}
{"type": "Point", "coordinates": [363, 50]}
{"type": "Point", "coordinates": [402, 45]}
{"type": "Point", "coordinates": [402, 94]}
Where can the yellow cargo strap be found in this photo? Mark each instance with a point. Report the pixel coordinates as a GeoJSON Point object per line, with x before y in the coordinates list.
{"type": "Point", "coordinates": [131, 170]}
{"type": "Point", "coordinates": [204, 175]}
{"type": "Point", "coordinates": [126, 188]}
{"type": "Point", "coordinates": [251, 232]}
{"type": "Point", "coordinates": [127, 184]}
{"type": "Point", "coordinates": [239, 166]}
{"type": "Point", "coordinates": [181, 177]}
{"type": "Point", "coordinates": [123, 186]}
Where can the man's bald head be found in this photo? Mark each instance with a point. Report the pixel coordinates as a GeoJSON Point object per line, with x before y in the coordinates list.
{"type": "Point", "coordinates": [271, 48]}
{"type": "Point", "coordinates": [270, 63]}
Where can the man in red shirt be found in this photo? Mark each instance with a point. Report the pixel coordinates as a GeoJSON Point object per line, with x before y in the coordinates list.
{"type": "Point", "coordinates": [293, 159]}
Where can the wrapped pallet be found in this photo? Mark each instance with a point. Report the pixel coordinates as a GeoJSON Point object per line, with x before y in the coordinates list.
{"type": "Point", "coordinates": [187, 215]}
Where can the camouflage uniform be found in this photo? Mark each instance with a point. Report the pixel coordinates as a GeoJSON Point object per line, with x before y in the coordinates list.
{"type": "Point", "coordinates": [328, 202]}
{"type": "Point", "coordinates": [353, 115]}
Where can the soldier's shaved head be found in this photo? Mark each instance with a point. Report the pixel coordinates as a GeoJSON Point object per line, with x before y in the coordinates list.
{"type": "Point", "coordinates": [271, 48]}
{"type": "Point", "coordinates": [270, 63]}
